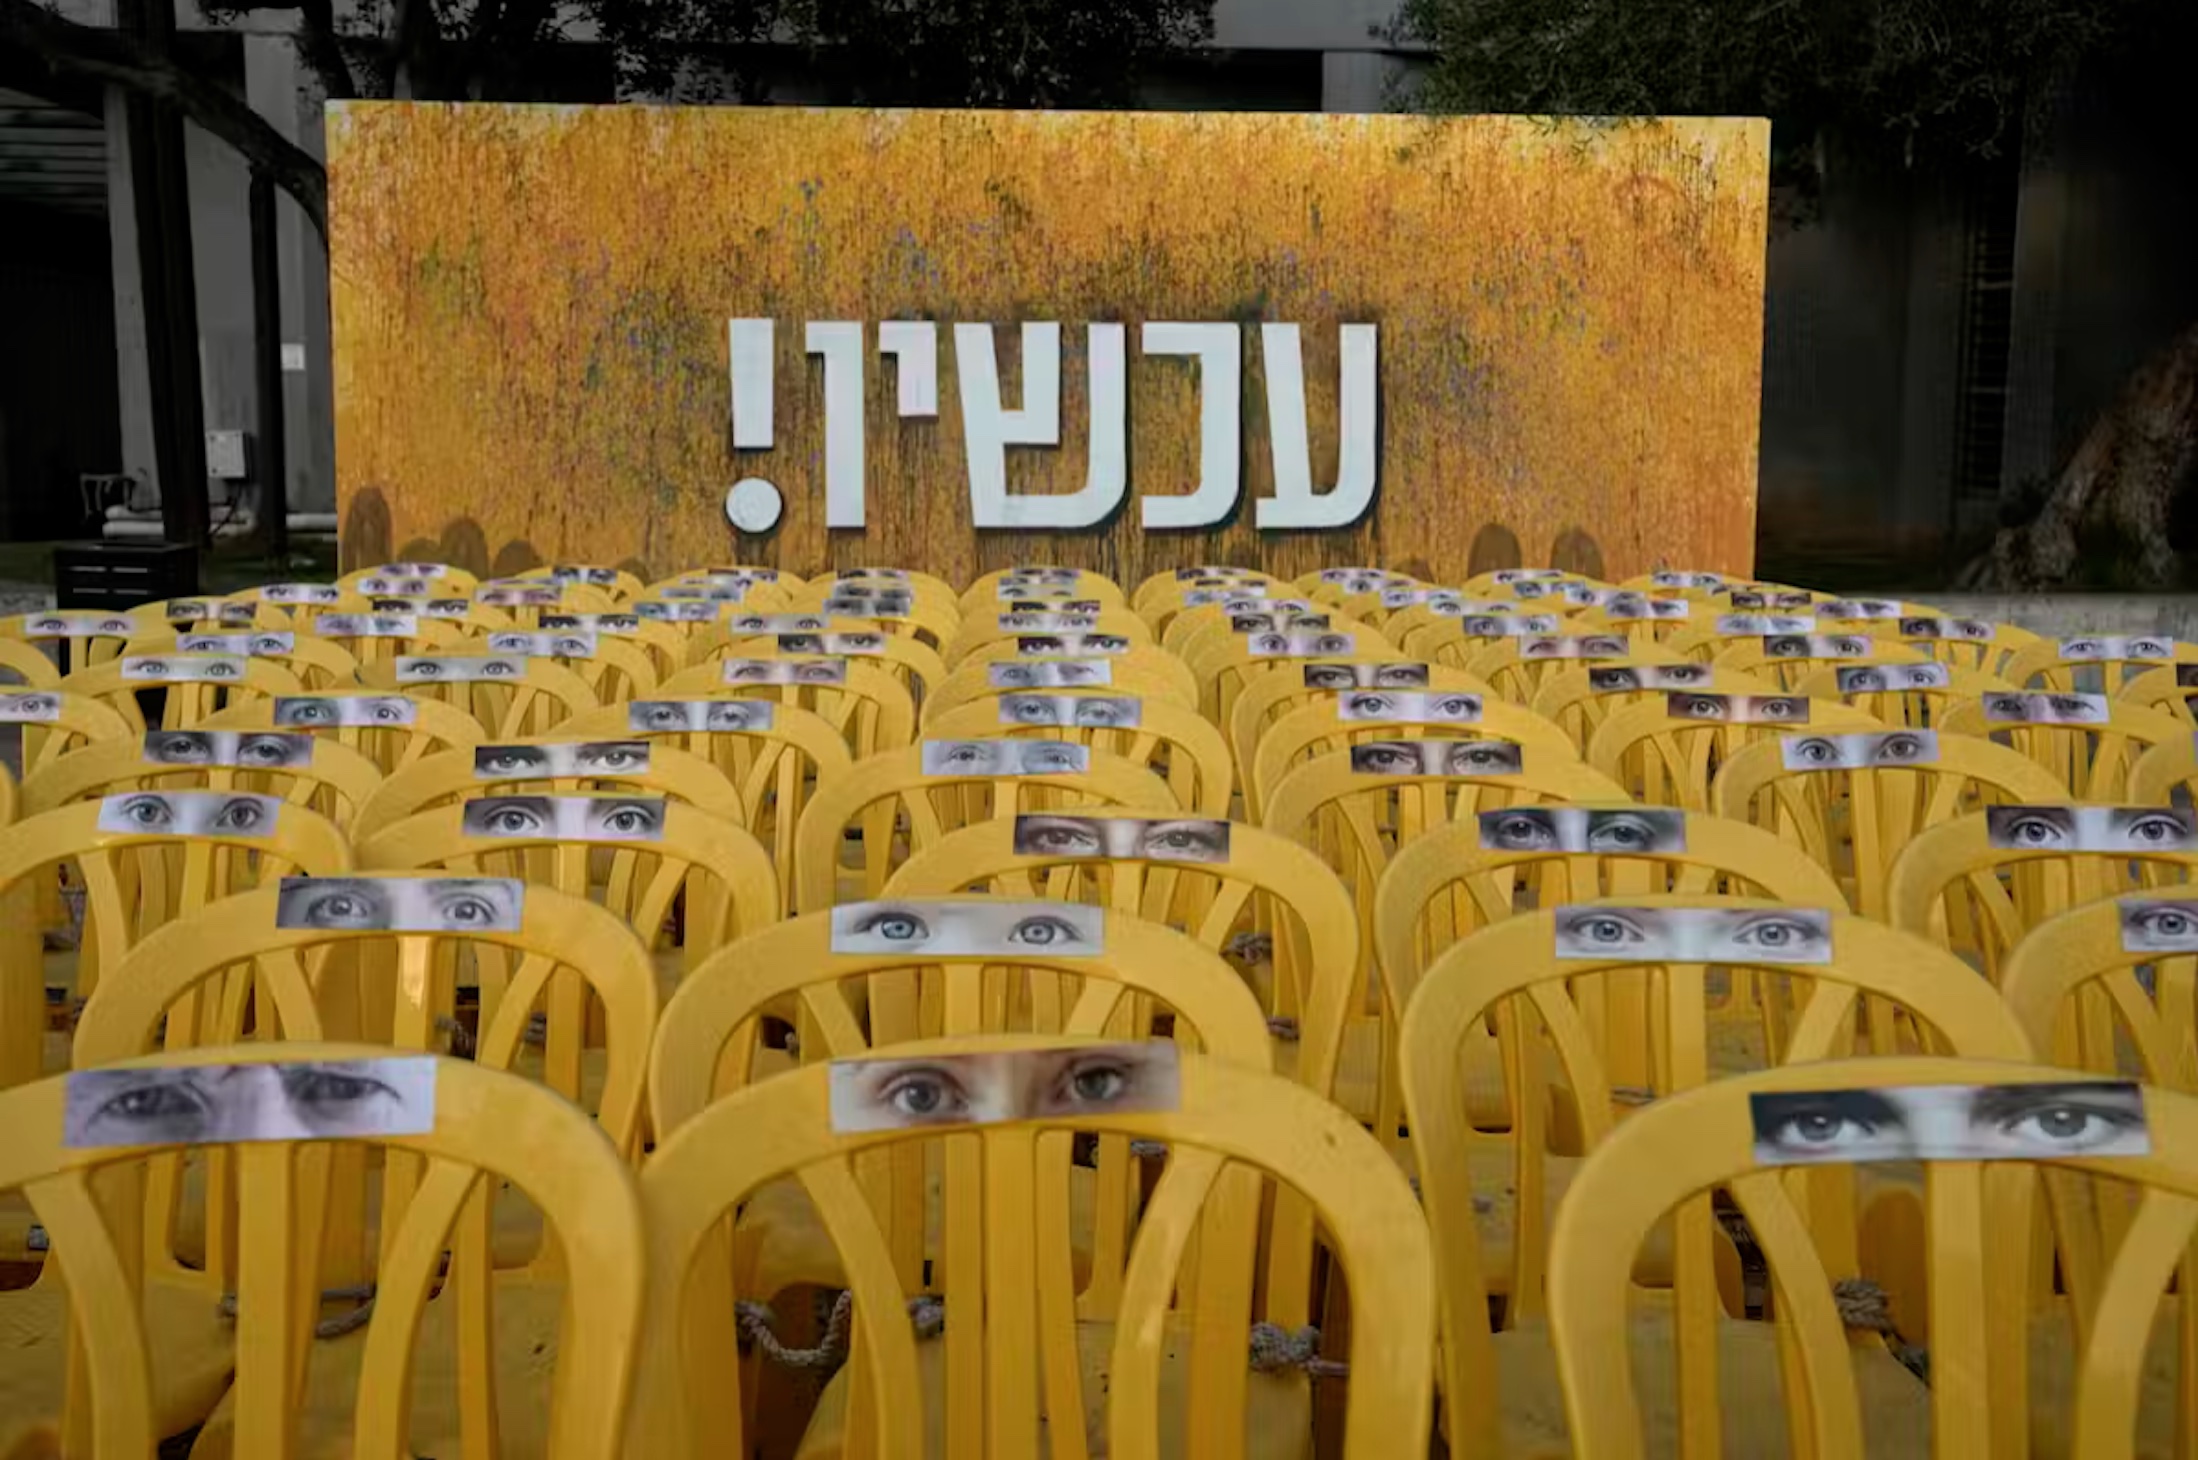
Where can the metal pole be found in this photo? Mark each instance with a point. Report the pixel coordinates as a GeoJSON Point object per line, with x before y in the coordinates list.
{"type": "Point", "coordinates": [271, 463]}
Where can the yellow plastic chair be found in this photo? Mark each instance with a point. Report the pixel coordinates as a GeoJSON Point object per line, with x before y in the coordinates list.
{"type": "Point", "coordinates": [1499, 1388]}
{"type": "Point", "coordinates": [446, 579]}
{"type": "Point", "coordinates": [1267, 699]}
{"type": "Point", "coordinates": [375, 730]}
{"type": "Point", "coordinates": [1319, 729]}
{"type": "Point", "coordinates": [1143, 678]}
{"type": "Point", "coordinates": [976, 633]}
{"type": "Point", "coordinates": [80, 721]}
{"type": "Point", "coordinates": [1856, 823]}
{"type": "Point", "coordinates": [28, 664]}
{"type": "Point", "coordinates": [1986, 1397]}
{"type": "Point", "coordinates": [485, 1121]}
{"type": "Point", "coordinates": [1669, 760]}
{"type": "Point", "coordinates": [1571, 700]}
{"type": "Point", "coordinates": [985, 593]}
{"type": "Point", "coordinates": [617, 582]}
{"type": "Point", "coordinates": [911, 661]}
{"type": "Point", "coordinates": [188, 698]}
{"type": "Point", "coordinates": [1020, 1348]}
{"type": "Point", "coordinates": [2047, 664]}
{"type": "Point", "coordinates": [932, 618]}
{"type": "Point", "coordinates": [429, 636]}
{"type": "Point", "coordinates": [1954, 887]}
{"type": "Point", "coordinates": [2160, 771]}
{"type": "Point", "coordinates": [871, 710]}
{"type": "Point", "coordinates": [1171, 583]}
{"type": "Point", "coordinates": [1519, 676]}
{"type": "Point", "coordinates": [534, 702]}
{"type": "Point", "coordinates": [1172, 741]}
{"type": "Point", "coordinates": [302, 611]}
{"type": "Point", "coordinates": [891, 790]}
{"type": "Point", "coordinates": [318, 663]}
{"type": "Point", "coordinates": [1899, 703]}
{"type": "Point", "coordinates": [66, 629]}
{"type": "Point", "coordinates": [1226, 669]}
{"type": "Point", "coordinates": [1195, 632]}
{"type": "Point", "coordinates": [1788, 671]}
{"type": "Point", "coordinates": [209, 614]}
{"type": "Point", "coordinates": [336, 782]}
{"type": "Point", "coordinates": [618, 670]}
{"type": "Point", "coordinates": [715, 871]}
{"type": "Point", "coordinates": [1139, 659]}
{"type": "Point", "coordinates": [455, 776]}
{"type": "Point", "coordinates": [1987, 655]}
{"type": "Point", "coordinates": [2092, 761]}
{"type": "Point", "coordinates": [2154, 689]}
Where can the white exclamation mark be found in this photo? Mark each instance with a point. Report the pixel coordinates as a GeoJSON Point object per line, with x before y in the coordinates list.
{"type": "Point", "coordinates": [752, 504]}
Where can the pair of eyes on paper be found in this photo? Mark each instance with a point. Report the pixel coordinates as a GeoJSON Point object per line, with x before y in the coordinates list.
{"type": "Point", "coordinates": [1382, 676]}
{"type": "Point", "coordinates": [1694, 935]}
{"type": "Point", "coordinates": [1828, 752]}
{"type": "Point", "coordinates": [983, 1089]}
{"type": "Point", "coordinates": [759, 672]}
{"type": "Point", "coordinates": [2090, 828]}
{"type": "Point", "coordinates": [1188, 840]}
{"type": "Point", "coordinates": [1024, 756]}
{"type": "Point", "coordinates": [967, 929]}
{"type": "Point", "coordinates": [595, 758]}
{"type": "Point", "coordinates": [1091, 714]}
{"type": "Point", "coordinates": [1572, 829]}
{"type": "Point", "coordinates": [1437, 758]}
{"type": "Point", "coordinates": [187, 814]}
{"type": "Point", "coordinates": [244, 749]}
{"type": "Point", "coordinates": [427, 904]}
{"type": "Point", "coordinates": [672, 716]}
{"type": "Point", "coordinates": [181, 669]}
{"type": "Point", "coordinates": [1950, 1122]}
{"type": "Point", "coordinates": [316, 714]}
{"type": "Point", "coordinates": [214, 1103]}
{"type": "Point", "coordinates": [2047, 709]}
{"type": "Point", "coordinates": [580, 818]}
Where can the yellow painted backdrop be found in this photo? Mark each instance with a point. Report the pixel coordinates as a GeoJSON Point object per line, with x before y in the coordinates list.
{"type": "Point", "coordinates": [531, 302]}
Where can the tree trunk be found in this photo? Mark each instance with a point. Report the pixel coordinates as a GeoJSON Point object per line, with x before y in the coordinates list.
{"type": "Point", "coordinates": [2116, 494]}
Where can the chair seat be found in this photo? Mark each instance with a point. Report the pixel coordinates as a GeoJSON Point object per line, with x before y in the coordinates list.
{"type": "Point", "coordinates": [1278, 1409]}
{"type": "Point", "coordinates": [1358, 1075]}
{"type": "Point", "coordinates": [1495, 1214]}
{"type": "Point", "coordinates": [2053, 1377]}
{"type": "Point", "coordinates": [192, 1348]}
{"type": "Point", "coordinates": [1896, 1407]}
{"type": "Point", "coordinates": [528, 1313]}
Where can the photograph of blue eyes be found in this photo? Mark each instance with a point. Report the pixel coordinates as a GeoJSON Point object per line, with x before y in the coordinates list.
{"type": "Point", "coordinates": [318, 1100]}
{"type": "Point", "coordinates": [2109, 829]}
{"type": "Point", "coordinates": [1004, 758]}
{"type": "Point", "coordinates": [1054, 674]}
{"type": "Point", "coordinates": [401, 904]}
{"type": "Point", "coordinates": [379, 711]}
{"type": "Point", "coordinates": [994, 1087]}
{"type": "Point", "coordinates": [566, 818]}
{"type": "Point", "coordinates": [189, 813]}
{"type": "Point", "coordinates": [1950, 1123]}
{"type": "Point", "coordinates": [1694, 934]}
{"type": "Point", "coordinates": [972, 927]}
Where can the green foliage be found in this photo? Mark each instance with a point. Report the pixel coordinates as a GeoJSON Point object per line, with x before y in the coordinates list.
{"type": "Point", "coordinates": [1913, 81]}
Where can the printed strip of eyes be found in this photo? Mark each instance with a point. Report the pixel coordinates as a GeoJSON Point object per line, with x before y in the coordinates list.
{"type": "Point", "coordinates": [1053, 605]}
{"type": "Point", "coordinates": [1757, 625]}
{"type": "Point", "coordinates": [258, 750]}
{"type": "Point", "coordinates": [757, 575]}
{"type": "Point", "coordinates": [1886, 678]}
{"type": "Point", "coordinates": [783, 671]}
{"type": "Point", "coordinates": [573, 758]}
{"type": "Point", "coordinates": [1590, 646]}
{"type": "Point", "coordinates": [367, 626]}
{"type": "Point", "coordinates": [2046, 709]}
{"type": "Point", "coordinates": [1858, 608]}
{"type": "Point", "coordinates": [571, 645]}
{"type": "Point", "coordinates": [301, 593]}
{"type": "Point", "coordinates": [1585, 830]}
{"type": "Point", "coordinates": [1366, 583]}
{"type": "Point", "coordinates": [2110, 829]}
{"type": "Point", "coordinates": [1048, 623]}
{"type": "Point", "coordinates": [1694, 934]}
{"type": "Point", "coordinates": [1122, 838]}
{"type": "Point", "coordinates": [1004, 758]}
{"type": "Point", "coordinates": [1050, 674]}
{"type": "Point", "coordinates": [346, 711]}
{"type": "Point", "coordinates": [2154, 924]}
{"type": "Point", "coordinates": [1438, 757]}
{"type": "Point", "coordinates": [997, 1086]}
{"type": "Point", "coordinates": [1761, 601]}
{"type": "Point", "coordinates": [1010, 590]}
{"type": "Point", "coordinates": [1092, 712]}
{"type": "Point", "coordinates": [710, 592]}
{"type": "Point", "coordinates": [414, 570]}
{"type": "Point", "coordinates": [388, 587]}
{"type": "Point", "coordinates": [456, 668]}
{"type": "Point", "coordinates": [1647, 676]}
{"type": "Point", "coordinates": [1069, 645]}
{"type": "Point", "coordinates": [2093, 647]}
{"type": "Point", "coordinates": [1858, 752]}
{"type": "Point", "coordinates": [183, 669]}
{"type": "Point", "coordinates": [1226, 596]}
{"type": "Point", "coordinates": [1972, 630]}
{"type": "Point", "coordinates": [2035, 1122]}
{"type": "Point", "coordinates": [449, 610]}
{"type": "Point", "coordinates": [401, 904]}
{"type": "Point", "coordinates": [191, 610]}
{"type": "Point", "coordinates": [1277, 623]}
{"type": "Point", "coordinates": [970, 928]}
{"type": "Point", "coordinates": [778, 623]}
{"type": "Point", "coordinates": [883, 605]}
{"type": "Point", "coordinates": [1710, 581]}
{"type": "Point", "coordinates": [519, 597]}
{"type": "Point", "coordinates": [1299, 646]}
{"type": "Point", "coordinates": [1384, 675]}
{"type": "Point", "coordinates": [189, 813]}
{"type": "Point", "coordinates": [1506, 625]}
{"type": "Point", "coordinates": [1407, 707]}
{"type": "Point", "coordinates": [299, 1100]}
{"type": "Point", "coordinates": [79, 626]}
{"type": "Point", "coordinates": [1620, 608]}
{"type": "Point", "coordinates": [567, 818]}
{"type": "Point", "coordinates": [1739, 709]}
{"type": "Point", "coordinates": [262, 645]}
{"type": "Point", "coordinates": [857, 645]}
{"type": "Point", "coordinates": [671, 717]}
{"type": "Point", "coordinates": [574, 573]}
{"type": "Point", "coordinates": [1526, 575]}
{"type": "Point", "coordinates": [665, 611]}
{"type": "Point", "coordinates": [1211, 570]}
{"type": "Point", "coordinates": [894, 575]}
{"type": "Point", "coordinates": [29, 707]}
{"type": "Point", "coordinates": [1816, 646]}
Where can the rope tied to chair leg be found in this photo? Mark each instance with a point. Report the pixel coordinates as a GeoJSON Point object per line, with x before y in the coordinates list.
{"type": "Point", "coordinates": [335, 1327]}
{"type": "Point", "coordinates": [1275, 1349]}
{"type": "Point", "coordinates": [1149, 1150]}
{"type": "Point", "coordinates": [753, 1321]}
{"type": "Point", "coordinates": [1249, 947]}
{"type": "Point", "coordinates": [1864, 1305]}
{"type": "Point", "coordinates": [1282, 1027]}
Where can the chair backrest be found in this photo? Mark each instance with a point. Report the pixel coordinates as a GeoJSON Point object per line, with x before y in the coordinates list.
{"type": "Point", "coordinates": [1172, 740]}
{"type": "Point", "coordinates": [1878, 686]}
{"type": "Point", "coordinates": [534, 701]}
{"type": "Point", "coordinates": [1788, 659]}
{"type": "Point", "coordinates": [2162, 770]}
{"type": "Point", "coordinates": [911, 661]}
{"type": "Point", "coordinates": [334, 780]}
{"type": "Point", "coordinates": [1975, 1240]}
{"type": "Point", "coordinates": [2092, 759]}
{"type": "Point", "coordinates": [484, 1121]}
{"type": "Point", "coordinates": [1120, 674]}
{"type": "Point", "coordinates": [28, 664]}
{"type": "Point", "coordinates": [81, 637]}
{"type": "Point", "coordinates": [1322, 729]}
{"type": "Point", "coordinates": [613, 669]}
{"type": "Point", "coordinates": [392, 730]}
{"type": "Point", "coordinates": [1228, 665]}
{"type": "Point", "coordinates": [1018, 1340]}
{"type": "Point", "coordinates": [992, 628]}
{"type": "Point", "coordinates": [1267, 698]}
{"type": "Point", "coordinates": [1955, 886]}
{"type": "Point", "coordinates": [1519, 665]}
{"type": "Point", "coordinates": [986, 592]}
{"type": "Point", "coordinates": [2074, 984]}
{"type": "Point", "coordinates": [319, 663]}
{"type": "Point", "coordinates": [520, 768]}
{"type": "Point", "coordinates": [931, 617]}
{"type": "Point", "coordinates": [2055, 664]}
{"type": "Point", "coordinates": [57, 722]}
{"type": "Point", "coordinates": [717, 872]}
{"type": "Point", "coordinates": [194, 686]}
{"type": "Point", "coordinates": [868, 706]}
{"type": "Point", "coordinates": [1133, 657]}
{"type": "Point", "coordinates": [884, 789]}
{"type": "Point", "coordinates": [1858, 821]}
{"type": "Point", "coordinates": [1574, 701]}
{"type": "Point", "coordinates": [1671, 759]}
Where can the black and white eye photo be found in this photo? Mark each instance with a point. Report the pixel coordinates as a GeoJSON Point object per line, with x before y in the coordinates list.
{"type": "Point", "coordinates": [1888, 749]}
{"type": "Point", "coordinates": [884, 605]}
{"type": "Point", "coordinates": [1410, 707]}
{"type": "Point", "coordinates": [29, 707]}
{"type": "Point", "coordinates": [301, 593]}
{"type": "Point", "coordinates": [992, 1087]}
{"type": "Point", "coordinates": [1070, 645]}
{"type": "Point", "coordinates": [518, 597]}
{"type": "Point", "coordinates": [1122, 838]}
{"type": "Point", "coordinates": [2046, 708]}
{"type": "Point", "coordinates": [783, 671]}
{"type": "Point", "coordinates": [1739, 709]}
{"type": "Point", "coordinates": [401, 904]}
{"type": "Point", "coordinates": [600, 577]}
{"type": "Point", "coordinates": [414, 570]}
{"type": "Point", "coordinates": [189, 813]}
{"type": "Point", "coordinates": [1048, 623]}
{"type": "Point", "coordinates": [1583, 830]}
{"type": "Point", "coordinates": [186, 610]}
{"type": "Point", "coordinates": [1776, 935]}
{"type": "Point", "coordinates": [568, 758]}
{"type": "Point", "coordinates": [446, 608]}
{"type": "Point", "coordinates": [973, 927]}
{"type": "Point", "coordinates": [1592, 646]}
{"type": "Point", "coordinates": [187, 1105]}
{"type": "Point", "coordinates": [320, 712]}
{"type": "Point", "coordinates": [2111, 830]}
{"type": "Point", "coordinates": [1815, 646]}
{"type": "Point", "coordinates": [1050, 674]}
{"type": "Point", "coordinates": [2157, 924]}
{"type": "Point", "coordinates": [1614, 681]}
{"type": "Point", "coordinates": [667, 717]}
{"type": "Point", "coordinates": [565, 818]}
{"type": "Point", "coordinates": [1004, 758]}
{"type": "Point", "coordinates": [456, 668]}
{"type": "Point", "coordinates": [1433, 757]}
{"type": "Point", "coordinates": [2020, 1122]}
{"type": "Point", "coordinates": [184, 668]}
{"type": "Point", "coordinates": [258, 750]}
{"type": "Point", "coordinates": [1295, 645]}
